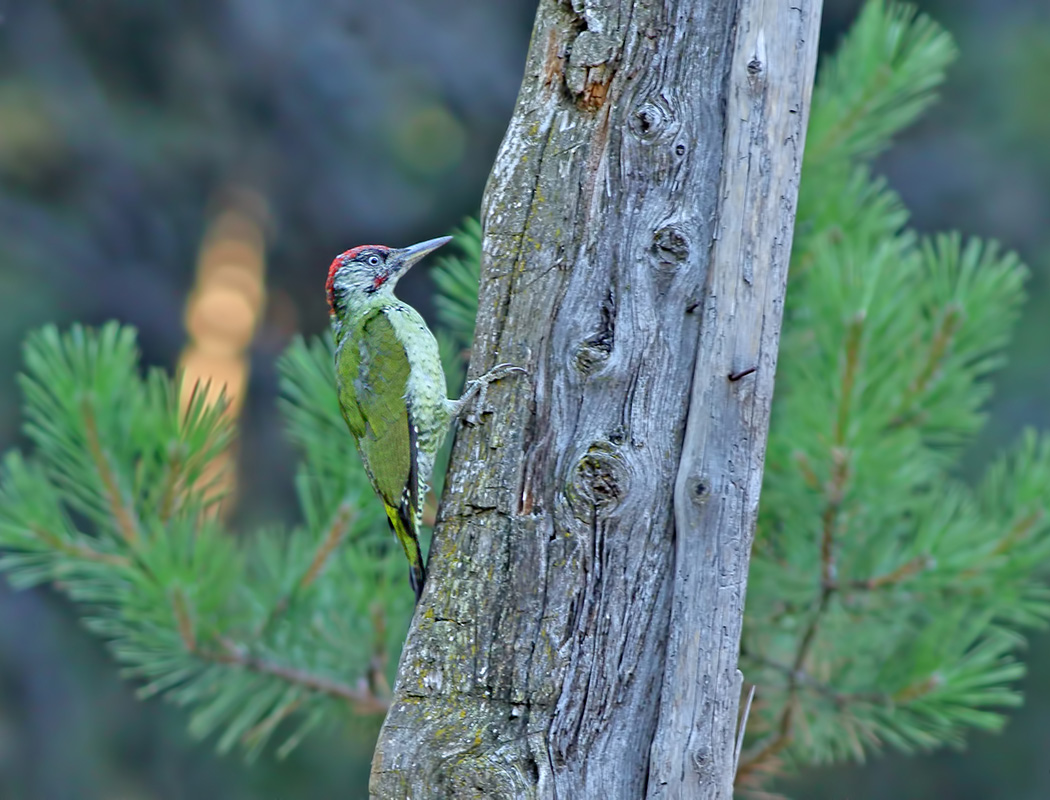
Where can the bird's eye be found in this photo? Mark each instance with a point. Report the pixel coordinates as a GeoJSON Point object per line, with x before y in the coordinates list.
{"type": "Point", "coordinates": [373, 261]}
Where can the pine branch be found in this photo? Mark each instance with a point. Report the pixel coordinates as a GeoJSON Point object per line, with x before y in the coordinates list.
{"type": "Point", "coordinates": [882, 78]}
{"type": "Point", "coordinates": [456, 277]}
{"type": "Point", "coordinates": [924, 586]}
{"type": "Point", "coordinates": [79, 550]}
{"type": "Point", "coordinates": [835, 493]}
{"type": "Point", "coordinates": [363, 700]}
{"type": "Point", "coordinates": [122, 515]}
{"type": "Point", "coordinates": [893, 577]}
{"type": "Point", "coordinates": [336, 533]}
{"type": "Point", "coordinates": [175, 596]}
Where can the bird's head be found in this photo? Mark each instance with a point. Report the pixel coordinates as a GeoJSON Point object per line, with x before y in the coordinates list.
{"type": "Point", "coordinates": [372, 269]}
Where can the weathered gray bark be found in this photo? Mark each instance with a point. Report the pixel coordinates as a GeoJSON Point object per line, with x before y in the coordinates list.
{"type": "Point", "coordinates": [535, 665]}
{"type": "Point", "coordinates": [718, 483]}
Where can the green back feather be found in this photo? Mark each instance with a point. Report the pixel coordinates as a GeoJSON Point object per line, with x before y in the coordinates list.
{"type": "Point", "coordinates": [372, 370]}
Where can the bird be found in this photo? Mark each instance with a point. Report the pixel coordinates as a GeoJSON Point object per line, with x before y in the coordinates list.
{"type": "Point", "coordinates": [391, 384]}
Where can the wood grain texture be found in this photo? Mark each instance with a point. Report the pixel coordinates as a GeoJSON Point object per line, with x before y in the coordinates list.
{"type": "Point", "coordinates": [534, 664]}
{"type": "Point", "coordinates": [717, 487]}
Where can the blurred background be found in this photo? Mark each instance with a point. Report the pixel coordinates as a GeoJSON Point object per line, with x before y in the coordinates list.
{"type": "Point", "coordinates": [191, 168]}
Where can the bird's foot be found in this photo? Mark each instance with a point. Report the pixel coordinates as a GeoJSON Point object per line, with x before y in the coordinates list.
{"type": "Point", "coordinates": [478, 388]}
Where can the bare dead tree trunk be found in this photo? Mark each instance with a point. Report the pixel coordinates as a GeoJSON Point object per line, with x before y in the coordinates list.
{"type": "Point", "coordinates": [637, 229]}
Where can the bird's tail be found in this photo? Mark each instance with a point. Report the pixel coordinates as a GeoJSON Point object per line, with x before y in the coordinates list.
{"type": "Point", "coordinates": [405, 532]}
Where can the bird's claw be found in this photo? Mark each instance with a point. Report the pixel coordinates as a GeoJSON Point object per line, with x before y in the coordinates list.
{"type": "Point", "coordinates": [479, 387]}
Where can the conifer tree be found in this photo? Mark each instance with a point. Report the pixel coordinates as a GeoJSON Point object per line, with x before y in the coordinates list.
{"type": "Point", "coordinates": [888, 599]}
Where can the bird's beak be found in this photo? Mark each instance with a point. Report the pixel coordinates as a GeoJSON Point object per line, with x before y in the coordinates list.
{"type": "Point", "coordinates": [410, 255]}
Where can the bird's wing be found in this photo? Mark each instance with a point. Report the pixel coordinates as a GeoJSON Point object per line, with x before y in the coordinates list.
{"type": "Point", "coordinates": [373, 376]}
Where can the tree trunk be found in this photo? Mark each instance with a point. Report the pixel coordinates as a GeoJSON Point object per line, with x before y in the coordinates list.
{"type": "Point", "coordinates": [568, 643]}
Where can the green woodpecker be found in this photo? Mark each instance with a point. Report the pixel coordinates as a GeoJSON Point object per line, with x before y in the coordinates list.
{"type": "Point", "coordinates": [391, 384]}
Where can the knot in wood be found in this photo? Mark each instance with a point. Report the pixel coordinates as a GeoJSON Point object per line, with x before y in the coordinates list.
{"type": "Point", "coordinates": [592, 353]}
{"type": "Point", "coordinates": [670, 246]}
{"type": "Point", "coordinates": [600, 479]}
{"type": "Point", "coordinates": [481, 771]}
{"type": "Point", "coordinates": [649, 121]}
{"type": "Point", "coordinates": [699, 491]}
{"type": "Point", "coordinates": [702, 761]}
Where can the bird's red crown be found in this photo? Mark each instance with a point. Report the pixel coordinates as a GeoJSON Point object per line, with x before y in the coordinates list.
{"type": "Point", "coordinates": [342, 260]}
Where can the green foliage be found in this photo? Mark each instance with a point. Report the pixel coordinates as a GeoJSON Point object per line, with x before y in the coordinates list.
{"type": "Point", "coordinates": [457, 278]}
{"type": "Point", "coordinates": [117, 507]}
{"type": "Point", "coordinates": [882, 78]}
{"type": "Point", "coordinates": [887, 598]}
